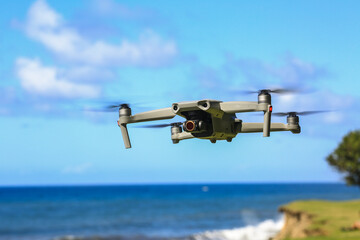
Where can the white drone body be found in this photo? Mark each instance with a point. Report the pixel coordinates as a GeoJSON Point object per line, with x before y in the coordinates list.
{"type": "Point", "coordinates": [210, 119]}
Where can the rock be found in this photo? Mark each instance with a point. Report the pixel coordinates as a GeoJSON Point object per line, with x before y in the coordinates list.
{"type": "Point", "coordinates": [296, 225]}
{"type": "Point", "coordinates": [356, 225]}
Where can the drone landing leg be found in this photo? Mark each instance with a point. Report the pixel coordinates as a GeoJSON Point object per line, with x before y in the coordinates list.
{"type": "Point", "coordinates": [267, 124]}
{"type": "Point", "coordinates": [125, 135]}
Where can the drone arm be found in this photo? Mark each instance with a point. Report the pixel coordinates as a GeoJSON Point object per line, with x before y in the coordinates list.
{"type": "Point", "coordinates": [274, 127]}
{"type": "Point", "coordinates": [159, 114]}
{"type": "Point", "coordinates": [125, 118]}
{"type": "Point", "coordinates": [237, 107]}
{"type": "Point", "coordinates": [182, 136]}
{"type": "Point", "coordinates": [177, 137]}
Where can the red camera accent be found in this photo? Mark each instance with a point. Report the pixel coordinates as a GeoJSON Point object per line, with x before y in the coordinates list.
{"type": "Point", "coordinates": [190, 126]}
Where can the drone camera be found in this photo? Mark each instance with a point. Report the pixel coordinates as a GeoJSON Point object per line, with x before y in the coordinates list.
{"type": "Point", "coordinates": [194, 126]}
{"type": "Point", "coordinates": [190, 126]}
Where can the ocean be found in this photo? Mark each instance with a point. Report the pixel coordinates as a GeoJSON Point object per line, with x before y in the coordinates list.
{"type": "Point", "coordinates": [136, 212]}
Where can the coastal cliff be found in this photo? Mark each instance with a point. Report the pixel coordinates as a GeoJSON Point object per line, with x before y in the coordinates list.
{"type": "Point", "coordinates": [297, 224]}
{"type": "Point", "coordinates": [319, 218]}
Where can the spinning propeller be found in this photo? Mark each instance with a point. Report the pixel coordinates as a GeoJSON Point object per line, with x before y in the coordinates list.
{"type": "Point", "coordinates": [274, 90]}
{"type": "Point", "coordinates": [304, 113]}
{"type": "Point", "coordinates": [122, 105]}
{"type": "Point", "coordinates": [113, 107]}
{"type": "Point", "coordinates": [162, 125]}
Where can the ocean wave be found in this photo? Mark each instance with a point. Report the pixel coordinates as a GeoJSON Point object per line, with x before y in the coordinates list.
{"type": "Point", "coordinates": [261, 231]}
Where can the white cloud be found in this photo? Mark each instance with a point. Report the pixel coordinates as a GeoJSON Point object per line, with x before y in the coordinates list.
{"type": "Point", "coordinates": [292, 72]}
{"type": "Point", "coordinates": [48, 27]}
{"type": "Point", "coordinates": [45, 81]}
{"type": "Point", "coordinates": [295, 71]}
{"type": "Point", "coordinates": [117, 9]}
{"type": "Point", "coordinates": [337, 105]}
{"type": "Point", "coordinates": [83, 59]}
{"type": "Point", "coordinates": [87, 73]}
{"type": "Point", "coordinates": [319, 100]}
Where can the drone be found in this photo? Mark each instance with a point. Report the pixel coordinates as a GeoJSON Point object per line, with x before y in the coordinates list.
{"type": "Point", "coordinates": [213, 120]}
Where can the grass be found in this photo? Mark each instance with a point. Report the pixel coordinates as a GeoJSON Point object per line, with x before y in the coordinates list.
{"type": "Point", "coordinates": [330, 217]}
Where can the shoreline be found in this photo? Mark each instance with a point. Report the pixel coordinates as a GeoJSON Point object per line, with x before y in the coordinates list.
{"type": "Point", "coordinates": [320, 218]}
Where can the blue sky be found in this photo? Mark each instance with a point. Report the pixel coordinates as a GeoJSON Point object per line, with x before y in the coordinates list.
{"type": "Point", "coordinates": [60, 58]}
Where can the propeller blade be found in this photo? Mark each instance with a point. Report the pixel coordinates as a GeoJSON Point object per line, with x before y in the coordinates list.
{"type": "Point", "coordinates": [100, 109]}
{"type": "Point", "coordinates": [284, 90]}
{"type": "Point", "coordinates": [274, 90]}
{"type": "Point", "coordinates": [310, 112]}
{"type": "Point", "coordinates": [160, 125]}
{"type": "Point", "coordinates": [246, 91]}
{"type": "Point", "coordinates": [155, 126]}
{"type": "Point", "coordinates": [280, 114]}
{"type": "Point", "coordinates": [303, 113]}
{"type": "Point", "coordinates": [112, 107]}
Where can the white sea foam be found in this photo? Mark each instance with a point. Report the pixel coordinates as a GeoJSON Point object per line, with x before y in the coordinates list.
{"type": "Point", "coordinates": [261, 231]}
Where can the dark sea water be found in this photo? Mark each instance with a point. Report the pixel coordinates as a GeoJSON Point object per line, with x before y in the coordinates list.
{"type": "Point", "coordinates": [194, 212]}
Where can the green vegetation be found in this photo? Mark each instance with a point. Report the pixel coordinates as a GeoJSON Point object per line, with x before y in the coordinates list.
{"type": "Point", "coordinates": [330, 217]}
{"type": "Point", "coordinates": [346, 158]}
